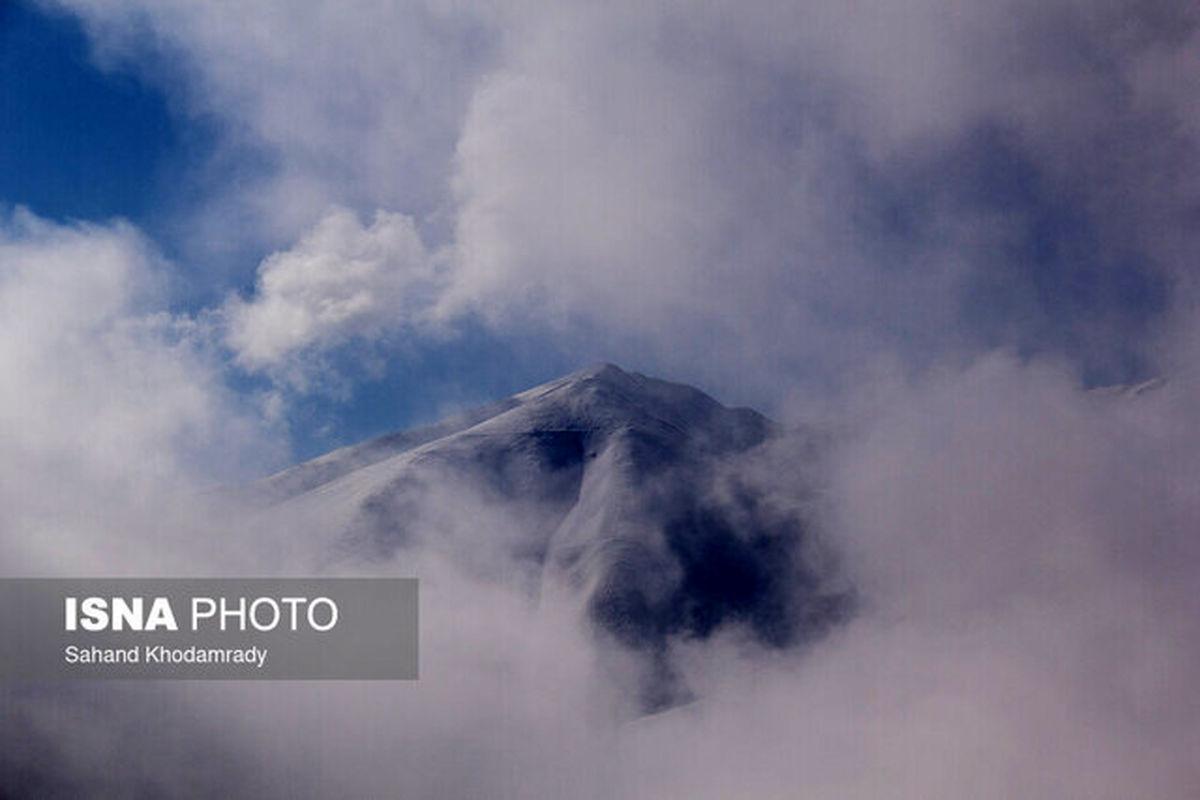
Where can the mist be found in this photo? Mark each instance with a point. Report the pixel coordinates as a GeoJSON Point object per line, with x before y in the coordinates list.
{"type": "Point", "coordinates": [1022, 556]}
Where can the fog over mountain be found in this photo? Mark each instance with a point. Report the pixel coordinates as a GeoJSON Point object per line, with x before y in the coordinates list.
{"type": "Point", "coordinates": [629, 590]}
{"type": "Point", "coordinates": [638, 497]}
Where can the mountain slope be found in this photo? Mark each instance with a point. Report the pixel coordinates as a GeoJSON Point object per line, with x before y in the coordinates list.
{"type": "Point", "coordinates": [643, 498]}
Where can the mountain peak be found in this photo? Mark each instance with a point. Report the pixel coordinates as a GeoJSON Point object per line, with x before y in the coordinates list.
{"type": "Point", "coordinates": [599, 400]}
{"type": "Point", "coordinates": [603, 370]}
{"type": "Point", "coordinates": [638, 494]}
{"type": "Point", "coordinates": [603, 374]}
{"type": "Point", "coordinates": [604, 399]}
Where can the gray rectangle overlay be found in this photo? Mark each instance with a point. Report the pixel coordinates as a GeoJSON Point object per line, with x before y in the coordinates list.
{"type": "Point", "coordinates": [375, 636]}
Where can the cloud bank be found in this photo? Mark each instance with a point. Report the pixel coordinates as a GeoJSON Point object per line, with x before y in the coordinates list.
{"type": "Point", "coordinates": [1025, 557]}
{"type": "Point", "coordinates": [726, 191]}
{"type": "Point", "coordinates": [112, 409]}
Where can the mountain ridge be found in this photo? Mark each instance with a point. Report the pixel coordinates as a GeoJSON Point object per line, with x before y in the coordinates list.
{"type": "Point", "coordinates": [330, 466]}
{"type": "Point", "coordinates": [644, 499]}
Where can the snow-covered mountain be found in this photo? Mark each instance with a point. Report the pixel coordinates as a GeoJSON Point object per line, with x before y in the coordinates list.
{"type": "Point", "coordinates": [662, 511]}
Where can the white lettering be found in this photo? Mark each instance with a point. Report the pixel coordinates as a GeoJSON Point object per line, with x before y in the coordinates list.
{"type": "Point", "coordinates": [312, 616]}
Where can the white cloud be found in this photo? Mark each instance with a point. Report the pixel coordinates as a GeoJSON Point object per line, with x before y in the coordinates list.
{"type": "Point", "coordinates": [341, 280]}
{"type": "Point", "coordinates": [108, 404]}
{"type": "Point", "coordinates": [1026, 556]}
{"type": "Point", "coordinates": [357, 107]}
{"type": "Point", "coordinates": [797, 188]}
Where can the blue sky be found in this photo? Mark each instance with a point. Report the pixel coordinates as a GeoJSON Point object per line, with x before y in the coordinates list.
{"type": "Point", "coordinates": [78, 143]}
{"type": "Point", "coordinates": [374, 218]}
